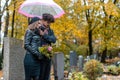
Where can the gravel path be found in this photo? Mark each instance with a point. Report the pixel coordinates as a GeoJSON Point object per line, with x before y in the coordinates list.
{"type": "Point", "coordinates": [106, 77]}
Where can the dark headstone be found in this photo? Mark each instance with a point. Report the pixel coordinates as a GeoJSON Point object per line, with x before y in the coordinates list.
{"type": "Point", "coordinates": [73, 58]}
{"type": "Point", "coordinates": [13, 59]}
{"type": "Point", "coordinates": [91, 56]}
{"type": "Point", "coordinates": [58, 63]}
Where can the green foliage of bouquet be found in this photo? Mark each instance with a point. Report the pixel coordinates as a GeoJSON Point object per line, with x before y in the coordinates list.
{"type": "Point", "coordinates": [46, 50]}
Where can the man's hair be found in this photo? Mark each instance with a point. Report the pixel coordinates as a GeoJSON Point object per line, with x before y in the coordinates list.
{"type": "Point", "coordinates": [48, 17]}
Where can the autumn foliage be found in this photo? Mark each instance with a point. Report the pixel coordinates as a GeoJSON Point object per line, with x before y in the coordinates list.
{"type": "Point", "coordinates": [72, 29]}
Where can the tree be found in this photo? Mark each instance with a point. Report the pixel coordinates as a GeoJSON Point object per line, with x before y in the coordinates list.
{"type": "Point", "coordinates": [110, 24]}
{"type": "Point", "coordinates": [18, 22]}
{"type": "Point", "coordinates": [66, 29]}
{"type": "Point", "coordinates": [13, 17]}
{"type": "Point", "coordinates": [7, 19]}
{"type": "Point", "coordinates": [84, 21]}
{"type": "Point", "coordinates": [2, 10]}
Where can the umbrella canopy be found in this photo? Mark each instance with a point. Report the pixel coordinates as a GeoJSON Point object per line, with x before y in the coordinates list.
{"type": "Point", "coordinates": [35, 8]}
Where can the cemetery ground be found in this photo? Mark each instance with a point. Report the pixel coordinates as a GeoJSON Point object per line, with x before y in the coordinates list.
{"type": "Point", "coordinates": [108, 73]}
{"type": "Point", "coordinates": [103, 77]}
{"type": "Point", "coordinates": [1, 74]}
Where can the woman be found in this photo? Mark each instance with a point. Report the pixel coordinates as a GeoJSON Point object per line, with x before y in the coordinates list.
{"type": "Point", "coordinates": [33, 56]}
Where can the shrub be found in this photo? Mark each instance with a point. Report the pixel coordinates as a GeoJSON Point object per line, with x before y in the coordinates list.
{"type": "Point", "coordinates": [66, 60]}
{"type": "Point", "coordinates": [93, 69]}
{"type": "Point", "coordinates": [77, 76]}
{"type": "Point", "coordinates": [113, 69]}
{"type": "Point", "coordinates": [118, 70]}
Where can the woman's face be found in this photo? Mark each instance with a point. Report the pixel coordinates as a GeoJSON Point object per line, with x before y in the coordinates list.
{"type": "Point", "coordinates": [38, 24]}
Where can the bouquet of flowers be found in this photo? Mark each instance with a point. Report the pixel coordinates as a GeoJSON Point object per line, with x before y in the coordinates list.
{"type": "Point", "coordinates": [46, 50]}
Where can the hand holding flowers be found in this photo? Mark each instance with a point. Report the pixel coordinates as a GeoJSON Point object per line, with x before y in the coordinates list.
{"type": "Point", "coordinates": [46, 50]}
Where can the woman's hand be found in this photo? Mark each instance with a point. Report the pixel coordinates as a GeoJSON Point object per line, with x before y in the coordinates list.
{"type": "Point", "coordinates": [34, 25]}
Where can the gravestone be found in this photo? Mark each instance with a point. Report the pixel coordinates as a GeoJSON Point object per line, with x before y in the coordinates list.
{"type": "Point", "coordinates": [81, 62]}
{"type": "Point", "coordinates": [58, 63]}
{"type": "Point", "coordinates": [73, 61]}
{"type": "Point", "coordinates": [94, 56]}
{"type": "Point", "coordinates": [73, 58]}
{"type": "Point", "coordinates": [119, 54]}
{"type": "Point", "coordinates": [13, 59]}
{"type": "Point", "coordinates": [88, 58]}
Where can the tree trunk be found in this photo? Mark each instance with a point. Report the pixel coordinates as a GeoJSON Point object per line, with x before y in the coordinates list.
{"type": "Point", "coordinates": [13, 20]}
{"type": "Point", "coordinates": [0, 27]}
{"type": "Point", "coordinates": [90, 42]}
{"type": "Point", "coordinates": [7, 23]}
{"type": "Point", "coordinates": [104, 54]}
{"type": "Point", "coordinates": [0, 17]}
{"type": "Point", "coordinates": [0, 21]}
{"type": "Point", "coordinates": [29, 20]}
{"type": "Point", "coordinates": [110, 55]}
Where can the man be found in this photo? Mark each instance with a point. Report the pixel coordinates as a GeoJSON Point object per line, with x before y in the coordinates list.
{"type": "Point", "coordinates": [47, 37]}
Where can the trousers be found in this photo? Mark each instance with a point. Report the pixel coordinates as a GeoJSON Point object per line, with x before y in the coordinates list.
{"type": "Point", "coordinates": [45, 69]}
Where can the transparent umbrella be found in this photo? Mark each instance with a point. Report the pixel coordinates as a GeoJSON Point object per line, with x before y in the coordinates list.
{"type": "Point", "coordinates": [35, 8]}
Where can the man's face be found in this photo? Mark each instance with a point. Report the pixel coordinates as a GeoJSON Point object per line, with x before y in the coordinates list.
{"type": "Point", "coordinates": [46, 23]}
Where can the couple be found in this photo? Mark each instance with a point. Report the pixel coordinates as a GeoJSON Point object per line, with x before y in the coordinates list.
{"type": "Point", "coordinates": [37, 66]}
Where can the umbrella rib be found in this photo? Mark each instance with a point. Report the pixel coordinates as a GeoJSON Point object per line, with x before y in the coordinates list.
{"type": "Point", "coordinates": [54, 9]}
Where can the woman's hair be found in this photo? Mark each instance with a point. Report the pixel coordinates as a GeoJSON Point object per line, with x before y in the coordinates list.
{"type": "Point", "coordinates": [34, 19]}
{"type": "Point", "coordinates": [33, 22]}
{"type": "Point", "coordinates": [48, 17]}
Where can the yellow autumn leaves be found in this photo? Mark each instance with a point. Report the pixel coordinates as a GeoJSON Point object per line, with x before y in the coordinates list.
{"type": "Point", "coordinates": [112, 9]}
{"type": "Point", "coordinates": [73, 24]}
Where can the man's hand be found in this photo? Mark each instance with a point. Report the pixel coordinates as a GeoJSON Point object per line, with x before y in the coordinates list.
{"type": "Point", "coordinates": [43, 32]}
